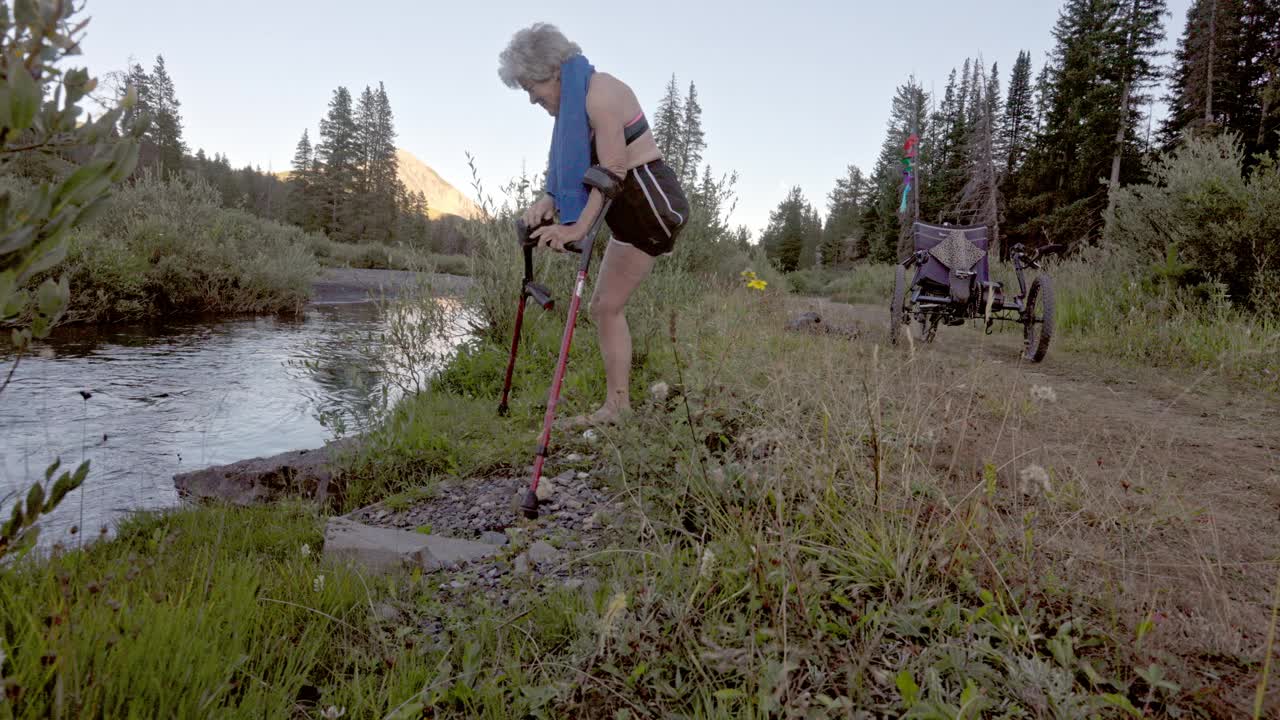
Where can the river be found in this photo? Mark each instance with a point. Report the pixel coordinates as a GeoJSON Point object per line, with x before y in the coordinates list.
{"type": "Point", "coordinates": [145, 401]}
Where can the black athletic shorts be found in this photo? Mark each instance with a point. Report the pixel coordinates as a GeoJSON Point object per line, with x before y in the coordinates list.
{"type": "Point", "coordinates": [650, 211]}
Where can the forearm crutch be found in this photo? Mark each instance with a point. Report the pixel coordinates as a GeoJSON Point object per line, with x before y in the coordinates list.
{"type": "Point", "coordinates": [608, 184]}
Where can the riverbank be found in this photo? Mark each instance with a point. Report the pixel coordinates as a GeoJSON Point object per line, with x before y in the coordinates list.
{"type": "Point", "coordinates": [800, 524]}
{"type": "Point", "coordinates": [335, 286]}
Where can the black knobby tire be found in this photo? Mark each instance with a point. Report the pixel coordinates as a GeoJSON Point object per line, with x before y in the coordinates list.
{"type": "Point", "coordinates": [895, 304]}
{"type": "Point", "coordinates": [1037, 319]}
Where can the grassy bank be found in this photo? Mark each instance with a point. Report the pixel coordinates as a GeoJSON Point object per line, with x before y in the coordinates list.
{"type": "Point", "coordinates": [379, 256]}
{"type": "Point", "coordinates": [816, 528]}
{"type": "Point", "coordinates": [1114, 307]}
{"type": "Point", "coordinates": [164, 249]}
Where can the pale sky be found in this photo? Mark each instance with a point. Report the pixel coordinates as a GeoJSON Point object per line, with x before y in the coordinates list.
{"type": "Point", "coordinates": [792, 92]}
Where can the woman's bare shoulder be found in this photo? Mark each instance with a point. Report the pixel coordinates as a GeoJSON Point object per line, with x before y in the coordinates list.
{"type": "Point", "coordinates": [609, 89]}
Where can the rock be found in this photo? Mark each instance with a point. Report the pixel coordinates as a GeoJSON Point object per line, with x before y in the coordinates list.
{"type": "Point", "coordinates": [541, 552]}
{"type": "Point", "coordinates": [547, 488]}
{"type": "Point", "coordinates": [584, 476]}
{"type": "Point", "coordinates": [387, 612]}
{"type": "Point", "coordinates": [304, 473]}
{"type": "Point", "coordinates": [574, 458]}
{"type": "Point", "coordinates": [383, 549]}
{"type": "Point", "coordinates": [521, 565]}
{"type": "Point", "coordinates": [812, 322]}
{"type": "Point", "coordinates": [659, 391]}
{"type": "Point", "coordinates": [804, 321]}
{"type": "Point", "coordinates": [493, 538]}
{"type": "Point", "coordinates": [574, 583]}
{"type": "Point", "coordinates": [592, 522]}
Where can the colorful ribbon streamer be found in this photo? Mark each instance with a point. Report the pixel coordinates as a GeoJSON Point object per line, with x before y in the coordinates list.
{"type": "Point", "coordinates": [910, 150]}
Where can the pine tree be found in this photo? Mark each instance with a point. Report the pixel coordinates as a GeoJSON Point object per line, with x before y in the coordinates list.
{"type": "Point", "coordinates": [842, 237]}
{"type": "Point", "coordinates": [883, 224]}
{"type": "Point", "coordinates": [144, 108]}
{"type": "Point", "coordinates": [994, 109]}
{"type": "Point", "coordinates": [302, 187]}
{"type": "Point", "coordinates": [166, 128]}
{"type": "Point", "coordinates": [336, 165]}
{"type": "Point", "coordinates": [790, 227]}
{"type": "Point", "coordinates": [384, 168]}
{"type": "Point", "coordinates": [1017, 128]}
{"type": "Point", "coordinates": [1224, 65]}
{"type": "Point", "coordinates": [667, 123]}
{"type": "Point", "coordinates": [1139, 31]}
{"type": "Point", "coordinates": [980, 201]}
{"type": "Point", "coordinates": [692, 139]}
{"type": "Point", "coordinates": [1092, 91]}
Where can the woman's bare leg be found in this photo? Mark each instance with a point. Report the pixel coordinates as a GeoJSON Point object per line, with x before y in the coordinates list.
{"type": "Point", "coordinates": [621, 272]}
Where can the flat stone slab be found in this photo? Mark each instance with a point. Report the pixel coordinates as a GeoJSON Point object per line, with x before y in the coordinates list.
{"type": "Point", "coordinates": [386, 549]}
{"type": "Point", "coordinates": [298, 473]}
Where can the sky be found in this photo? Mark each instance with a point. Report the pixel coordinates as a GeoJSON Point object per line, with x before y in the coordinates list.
{"type": "Point", "coordinates": [792, 92]}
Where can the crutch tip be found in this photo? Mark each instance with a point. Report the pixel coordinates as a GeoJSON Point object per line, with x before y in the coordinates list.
{"type": "Point", "coordinates": [529, 506]}
{"type": "Point", "coordinates": [502, 410]}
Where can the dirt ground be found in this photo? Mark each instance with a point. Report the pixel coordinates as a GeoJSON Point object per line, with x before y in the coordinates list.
{"type": "Point", "coordinates": [1164, 498]}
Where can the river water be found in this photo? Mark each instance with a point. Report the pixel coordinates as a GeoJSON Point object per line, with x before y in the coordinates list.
{"type": "Point", "coordinates": [143, 402]}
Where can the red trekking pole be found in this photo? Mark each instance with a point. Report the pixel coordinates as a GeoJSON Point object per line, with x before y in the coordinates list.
{"type": "Point", "coordinates": [608, 184]}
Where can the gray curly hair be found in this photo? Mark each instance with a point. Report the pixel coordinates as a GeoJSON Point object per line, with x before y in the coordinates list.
{"type": "Point", "coordinates": [534, 55]}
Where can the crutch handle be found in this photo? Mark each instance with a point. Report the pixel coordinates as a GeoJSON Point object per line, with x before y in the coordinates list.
{"type": "Point", "coordinates": [523, 230]}
{"type": "Point", "coordinates": [540, 295]}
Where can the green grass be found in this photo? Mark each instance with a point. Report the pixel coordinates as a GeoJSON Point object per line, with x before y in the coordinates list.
{"type": "Point", "coordinates": [807, 535]}
{"type": "Point", "coordinates": [192, 614]}
{"type": "Point", "coordinates": [1110, 306]}
{"type": "Point", "coordinates": [380, 256]}
{"type": "Point", "coordinates": [162, 249]}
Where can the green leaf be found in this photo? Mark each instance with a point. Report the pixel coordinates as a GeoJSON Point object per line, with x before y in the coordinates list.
{"type": "Point", "coordinates": [18, 239]}
{"type": "Point", "coordinates": [78, 84]}
{"type": "Point", "coordinates": [69, 482]}
{"type": "Point", "coordinates": [15, 523]}
{"type": "Point", "coordinates": [51, 298]}
{"type": "Point", "coordinates": [26, 12]}
{"type": "Point", "coordinates": [24, 98]}
{"type": "Point", "coordinates": [53, 468]}
{"type": "Point", "coordinates": [86, 183]}
{"type": "Point", "coordinates": [727, 694]}
{"type": "Point", "coordinates": [12, 300]}
{"type": "Point", "coordinates": [35, 500]}
{"type": "Point", "coordinates": [908, 687]}
{"type": "Point", "coordinates": [1122, 702]}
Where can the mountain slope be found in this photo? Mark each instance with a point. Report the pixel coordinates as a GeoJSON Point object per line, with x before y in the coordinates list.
{"type": "Point", "coordinates": [442, 198]}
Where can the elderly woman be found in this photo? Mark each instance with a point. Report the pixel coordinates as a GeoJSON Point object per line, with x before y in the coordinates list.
{"type": "Point", "coordinates": [598, 121]}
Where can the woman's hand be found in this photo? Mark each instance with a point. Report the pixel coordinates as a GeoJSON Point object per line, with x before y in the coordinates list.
{"type": "Point", "coordinates": [540, 211]}
{"type": "Point", "coordinates": [557, 236]}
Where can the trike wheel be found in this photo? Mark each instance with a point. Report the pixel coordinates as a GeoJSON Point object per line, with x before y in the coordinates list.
{"type": "Point", "coordinates": [896, 317]}
{"type": "Point", "coordinates": [1037, 319]}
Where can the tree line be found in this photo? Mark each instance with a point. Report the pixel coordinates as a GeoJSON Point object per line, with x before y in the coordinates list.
{"type": "Point", "coordinates": [1040, 162]}
{"type": "Point", "coordinates": [346, 185]}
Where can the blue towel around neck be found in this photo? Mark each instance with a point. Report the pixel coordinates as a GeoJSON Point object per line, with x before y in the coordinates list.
{"type": "Point", "coordinates": [571, 141]}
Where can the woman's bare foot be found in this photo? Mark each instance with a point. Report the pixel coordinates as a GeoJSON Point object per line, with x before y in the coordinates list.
{"type": "Point", "coordinates": [606, 415]}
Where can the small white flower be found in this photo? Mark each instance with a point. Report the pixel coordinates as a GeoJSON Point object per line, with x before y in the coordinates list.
{"type": "Point", "coordinates": [318, 583]}
{"type": "Point", "coordinates": [306, 550]}
{"type": "Point", "coordinates": [1034, 477]}
{"type": "Point", "coordinates": [590, 435]}
{"type": "Point", "coordinates": [1044, 392]}
{"type": "Point", "coordinates": [333, 712]}
{"type": "Point", "coordinates": [708, 563]}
